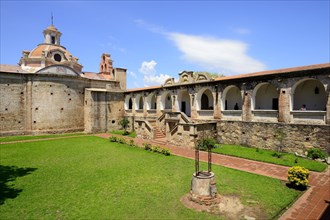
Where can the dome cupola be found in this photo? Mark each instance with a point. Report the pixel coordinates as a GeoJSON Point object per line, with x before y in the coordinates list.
{"type": "Point", "coordinates": [52, 35]}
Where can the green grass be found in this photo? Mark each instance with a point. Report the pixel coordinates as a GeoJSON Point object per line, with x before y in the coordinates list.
{"type": "Point", "coordinates": [131, 134]}
{"type": "Point", "coordinates": [91, 178]}
{"type": "Point", "coordinates": [286, 159]}
{"type": "Point", "coordinates": [30, 137]}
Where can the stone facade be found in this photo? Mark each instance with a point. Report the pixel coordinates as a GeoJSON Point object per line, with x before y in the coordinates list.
{"type": "Point", "coordinates": [46, 103]}
{"type": "Point", "coordinates": [241, 106]}
{"type": "Point", "coordinates": [49, 93]}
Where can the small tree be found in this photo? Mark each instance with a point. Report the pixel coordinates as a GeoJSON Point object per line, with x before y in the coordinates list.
{"type": "Point", "coordinates": [124, 123]}
{"type": "Point", "coordinates": [204, 143]}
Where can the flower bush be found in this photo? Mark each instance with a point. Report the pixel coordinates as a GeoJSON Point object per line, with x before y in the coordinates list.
{"type": "Point", "coordinates": [298, 177]}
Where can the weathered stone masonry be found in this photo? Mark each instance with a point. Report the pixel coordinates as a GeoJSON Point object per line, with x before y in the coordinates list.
{"type": "Point", "coordinates": [265, 102]}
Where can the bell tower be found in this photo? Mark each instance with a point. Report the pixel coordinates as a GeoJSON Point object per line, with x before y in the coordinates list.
{"type": "Point", "coordinates": [52, 35]}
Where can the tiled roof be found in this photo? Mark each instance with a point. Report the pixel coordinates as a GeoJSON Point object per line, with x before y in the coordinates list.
{"type": "Point", "coordinates": [144, 88]}
{"type": "Point", "coordinates": [241, 76]}
{"type": "Point", "coordinates": [11, 68]}
{"type": "Point", "coordinates": [278, 71]}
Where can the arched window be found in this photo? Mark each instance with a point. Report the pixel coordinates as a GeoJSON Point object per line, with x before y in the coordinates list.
{"type": "Point", "coordinates": [309, 93]}
{"type": "Point", "coordinates": [204, 99]}
{"type": "Point", "coordinates": [204, 102]}
{"type": "Point", "coordinates": [231, 98]}
{"type": "Point", "coordinates": [151, 101]}
{"type": "Point", "coordinates": [184, 102]}
{"type": "Point", "coordinates": [166, 101]}
{"type": "Point", "coordinates": [265, 96]}
{"type": "Point", "coordinates": [141, 103]}
{"type": "Point", "coordinates": [128, 103]}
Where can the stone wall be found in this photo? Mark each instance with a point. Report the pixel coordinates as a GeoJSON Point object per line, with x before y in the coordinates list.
{"type": "Point", "coordinates": [103, 110]}
{"type": "Point", "coordinates": [44, 103]}
{"type": "Point", "coordinates": [298, 137]}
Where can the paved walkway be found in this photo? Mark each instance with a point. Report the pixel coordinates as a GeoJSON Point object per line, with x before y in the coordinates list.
{"type": "Point", "coordinates": [313, 204]}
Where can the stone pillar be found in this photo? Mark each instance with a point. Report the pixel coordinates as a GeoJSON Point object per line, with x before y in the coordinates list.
{"type": "Point", "coordinates": [175, 106]}
{"type": "Point", "coordinates": [158, 101]}
{"type": "Point", "coordinates": [327, 117]}
{"type": "Point", "coordinates": [145, 112]}
{"type": "Point", "coordinates": [133, 105]}
{"type": "Point", "coordinates": [194, 113]}
{"type": "Point", "coordinates": [246, 111]}
{"type": "Point", "coordinates": [217, 105]}
{"type": "Point", "coordinates": [284, 106]}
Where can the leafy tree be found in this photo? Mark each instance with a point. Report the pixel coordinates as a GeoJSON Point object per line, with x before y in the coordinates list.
{"type": "Point", "coordinates": [124, 123]}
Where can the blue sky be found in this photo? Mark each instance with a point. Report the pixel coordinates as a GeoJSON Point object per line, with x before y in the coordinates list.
{"type": "Point", "coordinates": [155, 40]}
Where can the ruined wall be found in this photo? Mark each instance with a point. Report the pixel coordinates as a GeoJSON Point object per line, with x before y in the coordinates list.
{"type": "Point", "coordinates": [103, 110]}
{"type": "Point", "coordinates": [298, 137]}
{"type": "Point", "coordinates": [44, 103]}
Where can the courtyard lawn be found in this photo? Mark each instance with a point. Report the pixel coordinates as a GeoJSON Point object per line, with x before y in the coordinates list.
{"type": "Point", "coordinates": [30, 137]}
{"type": "Point", "coordinates": [268, 156]}
{"type": "Point", "coordinates": [131, 134]}
{"type": "Point", "coordinates": [90, 177]}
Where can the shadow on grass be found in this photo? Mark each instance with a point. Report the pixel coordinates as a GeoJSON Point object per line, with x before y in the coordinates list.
{"type": "Point", "coordinates": [8, 174]}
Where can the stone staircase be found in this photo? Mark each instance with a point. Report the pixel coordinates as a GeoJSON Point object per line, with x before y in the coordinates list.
{"type": "Point", "coordinates": [160, 138]}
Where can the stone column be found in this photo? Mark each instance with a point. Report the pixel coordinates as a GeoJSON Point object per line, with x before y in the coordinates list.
{"type": "Point", "coordinates": [88, 111]}
{"type": "Point", "coordinates": [217, 105]}
{"type": "Point", "coordinates": [327, 117]}
{"type": "Point", "coordinates": [158, 101]}
{"type": "Point", "coordinates": [194, 113]}
{"type": "Point", "coordinates": [246, 110]}
{"type": "Point", "coordinates": [284, 106]}
{"type": "Point", "coordinates": [175, 107]}
{"type": "Point", "coordinates": [133, 105]}
{"type": "Point", "coordinates": [145, 112]}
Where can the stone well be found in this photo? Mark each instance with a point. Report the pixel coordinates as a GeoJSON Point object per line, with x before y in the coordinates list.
{"type": "Point", "coordinates": [203, 188]}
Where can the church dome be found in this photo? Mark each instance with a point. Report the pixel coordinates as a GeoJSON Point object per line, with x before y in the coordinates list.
{"type": "Point", "coordinates": [49, 53]}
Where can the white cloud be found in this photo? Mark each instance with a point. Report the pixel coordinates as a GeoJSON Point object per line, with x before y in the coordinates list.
{"type": "Point", "coordinates": [148, 68]}
{"type": "Point", "coordinates": [155, 79]}
{"type": "Point", "coordinates": [222, 55]}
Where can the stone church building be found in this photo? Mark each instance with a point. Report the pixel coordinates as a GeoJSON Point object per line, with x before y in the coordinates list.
{"type": "Point", "coordinates": [48, 92]}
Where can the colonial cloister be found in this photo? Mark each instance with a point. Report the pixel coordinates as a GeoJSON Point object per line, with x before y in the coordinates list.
{"type": "Point", "coordinates": [291, 96]}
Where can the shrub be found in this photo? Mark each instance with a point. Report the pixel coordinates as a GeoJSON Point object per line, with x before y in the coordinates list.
{"type": "Point", "coordinates": [166, 152]}
{"type": "Point", "coordinates": [147, 146]}
{"type": "Point", "coordinates": [113, 139]}
{"type": "Point", "coordinates": [121, 140]}
{"type": "Point", "coordinates": [131, 143]}
{"type": "Point", "coordinates": [298, 177]}
{"type": "Point", "coordinates": [278, 155]}
{"type": "Point", "coordinates": [316, 153]}
{"type": "Point", "coordinates": [156, 149]}
{"type": "Point", "coordinates": [204, 143]}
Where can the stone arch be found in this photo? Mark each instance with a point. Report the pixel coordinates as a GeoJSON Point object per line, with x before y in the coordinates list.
{"type": "Point", "coordinates": [151, 101]}
{"type": "Point", "coordinates": [309, 92]}
{"type": "Point", "coordinates": [204, 99]}
{"type": "Point", "coordinates": [128, 102]}
{"type": "Point", "coordinates": [184, 102]}
{"type": "Point", "coordinates": [166, 101]}
{"type": "Point", "coordinates": [139, 102]}
{"type": "Point", "coordinates": [230, 96]}
{"type": "Point", "coordinates": [265, 96]}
